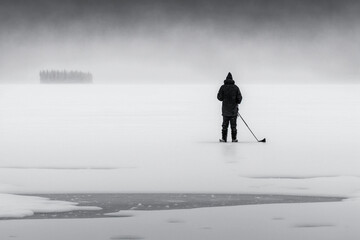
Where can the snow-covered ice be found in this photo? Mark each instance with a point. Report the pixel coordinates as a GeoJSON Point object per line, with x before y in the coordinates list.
{"type": "Point", "coordinates": [15, 206]}
{"type": "Point", "coordinates": [157, 138]}
{"type": "Point", "coordinates": [163, 138]}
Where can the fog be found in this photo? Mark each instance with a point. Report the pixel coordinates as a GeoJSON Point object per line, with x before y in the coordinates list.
{"type": "Point", "coordinates": [181, 41]}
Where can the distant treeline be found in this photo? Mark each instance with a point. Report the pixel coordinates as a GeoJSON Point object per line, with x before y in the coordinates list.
{"type": "Point", "coordinates": [64, 76]}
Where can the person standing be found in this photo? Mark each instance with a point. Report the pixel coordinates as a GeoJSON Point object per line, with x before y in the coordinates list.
{"type": "Point", "coordinates": [230, 96]}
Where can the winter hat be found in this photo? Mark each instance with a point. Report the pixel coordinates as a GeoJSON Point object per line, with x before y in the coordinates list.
{"type": "Point", "coordinates": [229, 76]}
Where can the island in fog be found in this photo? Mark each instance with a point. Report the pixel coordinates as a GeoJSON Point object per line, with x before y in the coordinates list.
{"type": "Point", "coordinates": [64, 76]}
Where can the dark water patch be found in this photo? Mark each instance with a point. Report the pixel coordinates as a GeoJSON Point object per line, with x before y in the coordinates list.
{"type": "Point", "coordinates": [115, 202]}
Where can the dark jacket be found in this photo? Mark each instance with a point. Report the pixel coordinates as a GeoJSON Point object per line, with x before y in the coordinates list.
{"type": "Point", "coordinates": [230, 96]}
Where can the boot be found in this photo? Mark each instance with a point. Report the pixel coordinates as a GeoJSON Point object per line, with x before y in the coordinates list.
{"type": "Point", "coordinates": [233, 136]}
{"type": "Point", "coordinates": [224, 136]}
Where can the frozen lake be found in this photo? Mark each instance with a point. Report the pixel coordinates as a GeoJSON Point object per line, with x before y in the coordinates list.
{"type": "Point", "coordinates": [164, 139]}
{"type": "Point", "coordinates": [157, 138]}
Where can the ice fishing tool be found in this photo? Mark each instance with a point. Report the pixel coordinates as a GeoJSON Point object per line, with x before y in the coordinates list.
{"type": "Point", "coordinates": [263, 140]}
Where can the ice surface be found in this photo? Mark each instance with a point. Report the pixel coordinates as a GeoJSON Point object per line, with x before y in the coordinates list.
{"type": "Point", "coordinates": [163, 138]}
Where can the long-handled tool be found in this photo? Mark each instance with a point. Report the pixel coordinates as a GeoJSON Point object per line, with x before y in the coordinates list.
{"type": "Point", "coordinates": [263, 140]}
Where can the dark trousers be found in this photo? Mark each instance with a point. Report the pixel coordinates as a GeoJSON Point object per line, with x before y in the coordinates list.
{"type": "Point", "coordinates": [225, 126]}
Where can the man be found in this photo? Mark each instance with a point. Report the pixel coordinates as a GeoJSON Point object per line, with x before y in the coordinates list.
{"type": "Point", "coordinates": [230, 96]}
